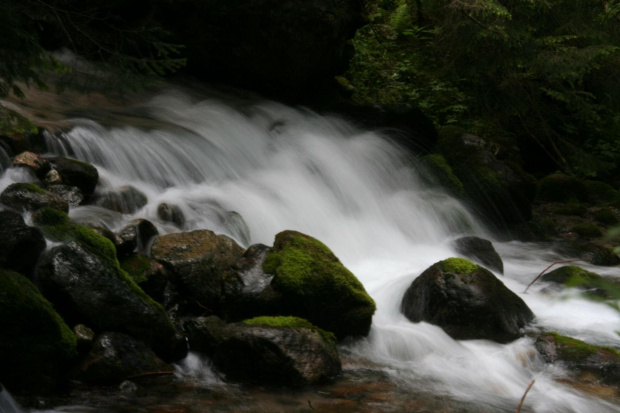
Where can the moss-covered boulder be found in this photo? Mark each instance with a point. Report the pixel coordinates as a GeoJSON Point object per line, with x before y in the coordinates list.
{"type": "Point", "coordinates": [114, 357]}
{"type": "Point", "coordinates": [562, 188]}
{"type": "Point", "coordinates": [600, 192]}
{"type": "Point", "coordinates": [500, 190]}
{"type": "Point", "coordinates": [467, 301]}
{"type": "Point", "coordinates": [76, 173]}
{"type": "Point", "coordinates": [591, 283]}
{"type": "Point", "coordinates": [30, 197]}
{"type": "Point", "coordinates": [443, 174]}
{"type": "Point", "coordinates": [580, 357]}
{"type": "Point", "coordinates": [36, 346]}
{"type": "Point", "coordinates": [21, 244]}
{"type": "Point", "coordinates": [480, 250]}
{"type": "Point", "coordinates": [103, 296]}
{"type": "Point", "coordinates": [315, 285]}
{"type": "Point", "coordinates": [285, 351]}
{"type": "Point", "coordinates": [197, 262]}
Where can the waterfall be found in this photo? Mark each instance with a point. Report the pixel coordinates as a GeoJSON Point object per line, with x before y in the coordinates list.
{"type": "Point", "coordinates": [288, 168]}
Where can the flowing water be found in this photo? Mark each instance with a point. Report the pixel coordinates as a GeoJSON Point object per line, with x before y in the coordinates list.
{"type": "Point", "coordinates": [286, 168]}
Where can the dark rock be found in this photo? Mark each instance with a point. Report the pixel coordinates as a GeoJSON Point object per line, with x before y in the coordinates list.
{"type": "Point", "coordinates": [467, 301]}
{"type": "Point", "coordinates": [146, 232]}
{"type": "Point", "coordinates": [84, 337]}
{"type": "Point", "coordinates": [126, 240]}
{"type": "Point", "coordinates": [269, 350]}
{"type": "Point", "coordinates": [36, 346]}
{"type": "Point", "coordinates": [21, 244]}
{"type": "Point", "coordinates": [315, 285]}
{"type": "Point", "coordinates": [103, 296]}
{"type": "Point", "coordinates": [76, 173]}
{"type": "Point", "coordinates": [126, 199]}
{"type": "Point", "coordinates": [29, 197]}
{"type": "Point", "coordinates": [115, 357]}
{"type": "Point", "coordinates": [197, 262]}
{"type": "Point", "coordinates": [171, 213]}
{"type": "Point", "coordinates": [562, 188]}
{"type": "Point", "coordinates": [247, 292]}
{"type": "Point", "coordinates": [71, 194]}
{"type": "Point", "coordinates": [150, 275]}
{"type": "Point", "coordinates": [480, 250]}
{"type": "Point", "coordinates": [576, 355]}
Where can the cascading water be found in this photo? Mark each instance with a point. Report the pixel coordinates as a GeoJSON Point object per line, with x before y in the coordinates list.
{"type": "Point", "coordinates": [283, 168]}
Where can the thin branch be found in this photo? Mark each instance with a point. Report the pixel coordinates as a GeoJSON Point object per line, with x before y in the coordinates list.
{"type": "Point", "coordinates": [150, 373]}
{"type": "Point", "coordinates": [524, 394]}
{"type": "Point", "coordinates": [552, 264]}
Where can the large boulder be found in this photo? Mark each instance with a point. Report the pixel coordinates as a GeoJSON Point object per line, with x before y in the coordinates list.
{"type": "Point", "coordinates": [197, 262]}
{"type": "Point", "coordinates": [314, 285]}
{"type": "Point", "coordinates": [279, 48]}
{"type": "Point", "coordinates": [480, 250]}
{"type": "Point", "coordinates": [114, 357]}
{"type": "Point", "coordinates": [36, 346]}
{"type": "Point", "coordinates": [76, 173]}
{"type": "Point", "coordinates": [467, 301]}
{"type": "Point", "coordinates": [268, 350]}
{"type": "Point", "coordinates": [580, 357]}
{"type": "Point", "coordinates": [103, 296]}
{"type": "Point", "coordinates": [30, 197]}
{"type": "Point", "coordinates": [21, 244]}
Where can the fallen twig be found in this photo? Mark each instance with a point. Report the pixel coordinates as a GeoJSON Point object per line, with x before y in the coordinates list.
{"type": "Point", "coordinates": [150, 373]}
{"type": "Point", "coordinates": [524, 394]}
{"type": "Point", "coordinates": [545, 270]}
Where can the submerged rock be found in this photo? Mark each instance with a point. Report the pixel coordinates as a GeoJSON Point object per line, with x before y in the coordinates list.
{"type": "Point", "coordinates": [125, 199]}
{"type": "Point", "coordinates": [480, 250]}
{"type": "Point", "coordinates": [467, 302]}
{"type": "Point", "coordinates": [114, 357]}
{"type": "Point", "coordinates": [20, 244]}
{"type": "Point", "coordinates": [36, 346]}
{"type": "Point", "coordinates": [197, 262]}
{"type": "Point", "coordinates": [30, 197]}
{"type": "Point", "coordinates": [591, 283]}
{"type": "Point", "coordinates": [313, 284]}
{"type": "Point", "coordinates": [576, 355]}
{"type": "Point", "coordinates": [171, 213]}
{"type": "Point", "coordinates": [285, 351]}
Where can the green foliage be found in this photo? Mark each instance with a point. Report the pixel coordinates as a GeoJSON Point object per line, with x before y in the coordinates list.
{"type": "Point", "coordinates": [129, 45]}
{"type": "Point", "coordinates": [12, 123]}
{"type": "Point", "coordinates": [540, 71]}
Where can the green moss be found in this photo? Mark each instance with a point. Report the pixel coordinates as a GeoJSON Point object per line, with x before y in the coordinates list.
{"type": "Point", "coordinates": [290, 322]}
{"type": "Point", "coordinates": [36, 345]}
{"type": "Point", "coordinates": [600, 192]}
{"type": "Point", "coordinates": [32, 188]}
{"type": "Point", "coordinates": [587, 230]}
{"type": "Point", "coordinates": [57, 226]}
{"type": "Point", "coordinates": [457, 266]}
{"type": "Point", "coordinates": [443, 172]}
{"type": "Point", "coordinates": [316, 286]}
{"type": "Point", "coordinates": [571, 349]}
{"type": "Point", "coordinates": [605, 216]}
{"type": "Point", "coordinates": [136, 265]}
{"type": "Point", "coordinates": [562, 188]}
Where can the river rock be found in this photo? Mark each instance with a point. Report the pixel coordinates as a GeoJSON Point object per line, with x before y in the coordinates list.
{"type": "Point", "coordinates": [467, 302]}
{"type": "Point", "coordinates": [125, 199]}
{"type": "Point", "coordinates": [149, 274]}
{"type": "Point", "coordinates": [114, 357]}
{"type": "Point", "coordinates": [171, 213]}
{"type": "Point", "coordinates": [36, 346]}
{"type": "Point", "coordinates": [76, 173]}
{"type": "Point", "coordinates": [30, 197]}
{"type": "Point", "coordinates": [247, 291]}
{"type": "Point", "coordinates": [581, 357]}
{"type": "Point", "coordinates": [71, 194]}
{"type": "Point", "coordinates": [268, 350]}
{"type": "Point", "coordinates": [197, 262]}
{"type": "Point", "coordinates": [589, 282]}
{"type": "Point", "coordinates": [314, 285]}
{"type": "Point", "coordinates": [103, 296]}
{"type": "Point", "coordinates": [33, 161]}
{"type": "Point", "coordinates": [480, 250]}
{"type": "Point", "coordinates": [20, 244]}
